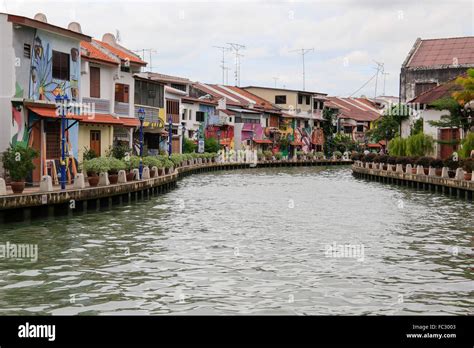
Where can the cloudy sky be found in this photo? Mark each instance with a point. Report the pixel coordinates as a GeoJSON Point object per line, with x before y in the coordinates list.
{"type": "Point", "coordinates": [347, 36]}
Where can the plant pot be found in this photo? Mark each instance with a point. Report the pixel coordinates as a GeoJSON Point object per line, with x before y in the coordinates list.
{"type": "Point", "coordinates": [93, 180]}
{"type": "Point", "coordinates": [451, 174]}
{"type": "Point", "coordinates": [113, 179]}
{"type": "Point", "coordinates": [17, 186]}
{"type": "Point", "coordinates": [427, 170]}
{"type": "Point", "coordinates": [152, 173]}
{"type": "Point", "coordinates": [468, 176]}
{"type": "Point", "coordinates": [413, 170]}
{"type": "Point", "coordinates": [438, 171]}
{"type": "Point", "coordinates": [130, 176]}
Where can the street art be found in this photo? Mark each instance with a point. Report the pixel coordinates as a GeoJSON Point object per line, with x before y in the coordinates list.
{"type": "Point", "coordinates": [19, 127]}
{"type": "Point", "coordinates": [42, 84]}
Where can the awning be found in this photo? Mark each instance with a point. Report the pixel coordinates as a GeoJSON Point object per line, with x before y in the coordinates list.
{"type": "Point", "coordinates": [51, 113]}
{"type": "Point", "coordinates": [262, 141]}
{"type": "Point", "coordinates": [101, 119]}
{"type": "Point", "coordinates": [130, 121]}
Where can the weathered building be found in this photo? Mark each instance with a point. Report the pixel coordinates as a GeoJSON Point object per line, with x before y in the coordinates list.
{"type": "Point", "coordinates": [431, 62]}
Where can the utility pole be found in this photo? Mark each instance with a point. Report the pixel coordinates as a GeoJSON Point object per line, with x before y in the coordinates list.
{"type": "Point", "coordinates": [384, 76]}
{"type": "Point", "coordinates": [226, 75]}
{"type": "Point", "coordinates": [223, 59]}
{"type": "Point", "coordinates": [276, 79]}
{"type": "Point", "coordinates": [379, 69]}
{"type": "Point", "coordinates": [236, 48]}
{"type": "Point", "coordinates": [303, 52]}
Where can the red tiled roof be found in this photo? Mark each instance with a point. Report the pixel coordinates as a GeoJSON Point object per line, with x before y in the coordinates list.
{"type": "Point", "coordinates": [260, 101]}
{"type": "Point", "coordinates": [121, 52]}
{"type": "Point", "coordinates": [442, 91]}
{"type": "Point", "coordinates": [197, 100]}
{"type": "Point", "coordinates": [353, 108]}
{"type": "Point", "coordinates": [91, 51]}
{"type": "Point", "coordinates": [100, 119]}
{"type": "Point", "coordinates": [130, 121]}
{"type": "Point", "coordinates": [433, 52]}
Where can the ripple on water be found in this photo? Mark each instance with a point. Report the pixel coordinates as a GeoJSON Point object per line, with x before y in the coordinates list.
{"type": "Point", "coordinates": [251, 242]}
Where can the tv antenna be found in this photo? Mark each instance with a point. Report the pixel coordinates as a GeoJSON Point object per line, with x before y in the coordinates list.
{"type": "Point", "coordinates": [303, 52]}
{"type": "Point", "coordinates": [223, 67]}
{"type": "Point", "coordinates": [236, 48]}
{"type": "Point", "coordinates": [275, 79]}
{"type": "Point", "coordinates": [150, 52]}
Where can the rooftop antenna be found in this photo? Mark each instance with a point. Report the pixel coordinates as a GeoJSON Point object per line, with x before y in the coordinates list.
{"type": "Point", "coordinates": [226, 75]}
{"type": "Point", "coordinates": [303, 52]}
{"type": "Point", "coordinates": [276, 79]}
{"type": "Point", "coordinates": [118, 38]}
{"type": "Point", "coordinates": [150, 52]}
{"type": "Point", "coordinates": [236, 48]}
{"type": "Point", "coordinates": [223, 59]}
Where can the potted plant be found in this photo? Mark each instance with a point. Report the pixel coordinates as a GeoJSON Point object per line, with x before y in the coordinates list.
{"type": "Point", "coordinates": [114, 165]}
{"type": "Point", "coordinates": [260, 155]}
{"type": "Point", "coordinates": [278, 156]}
{"type": "Point", "coordinates": [320, 155]}
{"type": "Point", "coordinates": [299, 155]}
{"type": "Point", "coordinates": [168, 165]}
{"type": "Point", "coordinates": [452, 166]}
{"type": "Point", "coordinates": [93, 168]}
{"type": "Point", "coordinates": [18, 160]}
{"type": "Point", "coordinates": [150, 162]}
{"type": "Point", "coordinates": [355, 156]}
{"type": "Point", "coordinates": [437, 164]}
{"type": "Point", "coordinates": [412, 160]}
{"type": "Point", "coordinates": [468, 167]}
{"type": "Point", "coordinates": [268, 155]}
{"type": "Point", "coordinates": [425, 162]}
{"type": "Point", "coordinates": [338, 154]}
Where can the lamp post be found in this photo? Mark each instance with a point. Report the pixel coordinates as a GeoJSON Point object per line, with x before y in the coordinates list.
{"type": "Point", "coordinates": [183, 130]}
{"type": "Point", "coordinates": [141, 117]}
{"type": "Point", "coordinates": [170, 135]}
{"type": "Point", "coordinates": [62, 100]}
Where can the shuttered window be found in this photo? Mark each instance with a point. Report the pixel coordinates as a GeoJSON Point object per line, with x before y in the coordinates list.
{"type": "Point", "coordinates": [121, 93]}
{"type": "Point", "coordinates": [60, 65]}
{"type": "Point", "coordinates": [95, 82]}
{"type": "Point", "coordinates": [53, 140]}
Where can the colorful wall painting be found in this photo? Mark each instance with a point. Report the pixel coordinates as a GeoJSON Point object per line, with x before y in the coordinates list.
{"type": "Point", "coordinates": [19, 127]}
{"type": "Point", "coordinates": [42, 84]}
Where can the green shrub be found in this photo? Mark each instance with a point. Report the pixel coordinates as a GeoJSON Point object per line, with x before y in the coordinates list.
{"type": "Point", "coordinates": [278, 156]}
{"type": "Point", "coordinates": [118, 151]}
{"type": "Point", "coordinates": [338, 154]}
{"type": "Point", "coordinates": [369, 157]}
{"type": "Point", "coordinates": [88, 154]}
{"type": "Point", "coordinates": [268, 155]}
{"type": "Point", "coordinates": [450, 163]}
{"type": "Point", "coordinates": [115, 165]}
{"type": "Point", "coordinates": [176, 158]}
{"type": "Point", "coordinates": [18, 160]}
{"type": "Point", "coordinates": [419, 145]}
{"type": "Point", "coordinates": [260, 155]}
{"type": "Point", "coordinates": [189, 146]}
{"type": "Point", "coordinates": [152, 161]}
{"type": "Point", "coordinates": [96, 165]}
{"type": "Point", "coordinates": [319, 155]}
{"type": "Point", "coordinates": [211, 145]}
{"type": "Point", "coordinates": [468, 164]}
{"type": "Point", "coordinates": [397, 147]}
{"type": "Point", "coordinates": [424, 161]}
{"type": "Point", "coordinates": [403, 160]}
{"type": "Point", "coordinates": [437, 163]}
{"type": "Point", "coordinates": [168, 163]}
{"type": "Point", "coordinates": [467, 145]}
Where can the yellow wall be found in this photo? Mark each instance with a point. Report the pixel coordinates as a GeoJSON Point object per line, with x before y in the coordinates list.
{"type": "Point", "coordinates": [269, 95]}
{"type": "Point", "coordinates": [106, 138]}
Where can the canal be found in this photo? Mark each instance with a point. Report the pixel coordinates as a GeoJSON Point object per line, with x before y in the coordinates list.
{"type": "Point", "coordinates": [291, 241]}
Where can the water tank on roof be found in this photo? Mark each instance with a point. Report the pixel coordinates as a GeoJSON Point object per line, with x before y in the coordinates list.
{"type": "Point", "coordinates": [41, 17]}
{"type": "Point", "coordinates": [109, 38]}
{"type": "Point", "coordinates": [74, 26]}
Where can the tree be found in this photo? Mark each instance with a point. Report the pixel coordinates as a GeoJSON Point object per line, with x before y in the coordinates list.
{"type": "Point", "coordinates": [211, 145]}
{"type": "Point", "coordinates": [386, 127]}
{"type": "Point", "coordinates": [329, 117]}
{"type": "Point", "coordinates": [189, 146]}
{"type": "Point", "coordinates": [467, 83]}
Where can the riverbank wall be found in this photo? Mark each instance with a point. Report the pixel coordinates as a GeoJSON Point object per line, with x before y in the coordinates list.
{"type": "Point", "coordinates": [70, 202]}
{"type": "Point", "coordinates": [462, 189]}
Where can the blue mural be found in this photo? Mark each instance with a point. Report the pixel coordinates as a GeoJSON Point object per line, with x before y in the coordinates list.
{"type": "Point", "coordinates": [42, 84]}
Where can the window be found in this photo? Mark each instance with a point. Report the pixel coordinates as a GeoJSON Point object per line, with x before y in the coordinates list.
{"type": "Point", "coordinates": [149, 94]}
{"type": "Point", "coordinates": [190, 115]}
{"type": "Point", "coordinates": [27, 51]}
{"type": "Point", "coordinates": [266, 122]}
{"type": "Point", "coordinates": [60, 65]}
{"type": "Point", "coordinates": [172, 107]}
{"type": "Point", "coordinates": [199, 116]}
{"type": "Point", "coordinates": [347, 129]}
{"type": "Point", "coordinates": [300, 99]}
{"type": "Point", "coordinates": [423, 87]}
{"type": "Point", "coordinates": [121, 93]}
{"type": "Point", "coordinates": [280, 99]}
{"type": "Point", "coordinates": [185, 114]}
{"type": "Point", "coordinates": [306, 124]}
{"type": "Point", "coordinates": [179, 86]}
{"type": "Point", "coordinates": [94, 82]}
{"type": "Point", "coordinates": [360, 128]}
{"type": "Point", "coordinates": [308, 100]}
{"type": "Point", "coordinates": [53, 140]}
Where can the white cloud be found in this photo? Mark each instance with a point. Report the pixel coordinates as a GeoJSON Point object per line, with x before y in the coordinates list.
{"type": "Point", "coordinates": [184, 32]}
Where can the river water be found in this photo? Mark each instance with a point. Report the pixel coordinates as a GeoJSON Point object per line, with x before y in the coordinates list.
{"type": "Point", "coordinates": [265, 241]}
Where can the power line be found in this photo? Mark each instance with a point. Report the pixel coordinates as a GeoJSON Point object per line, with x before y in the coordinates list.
{"type": "Point", "coordinates": [365, 84]}
{"type": "Point", "coordinates": [303, 52]}
{"type": "Point", "coordinates": [379, 68]}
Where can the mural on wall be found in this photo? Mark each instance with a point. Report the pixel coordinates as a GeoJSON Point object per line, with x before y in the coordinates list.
{"type": "Point", "coordinates": [19, 127]}
{"type": "Point", "coordinates": [42, 84]}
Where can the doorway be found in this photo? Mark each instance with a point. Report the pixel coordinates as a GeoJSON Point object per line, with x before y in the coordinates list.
{"type": "Point", "coordinates": [95, 142]}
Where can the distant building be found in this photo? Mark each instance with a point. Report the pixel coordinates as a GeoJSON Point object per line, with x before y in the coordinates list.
{"type": "Point", "coordinates": [431, 62]}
